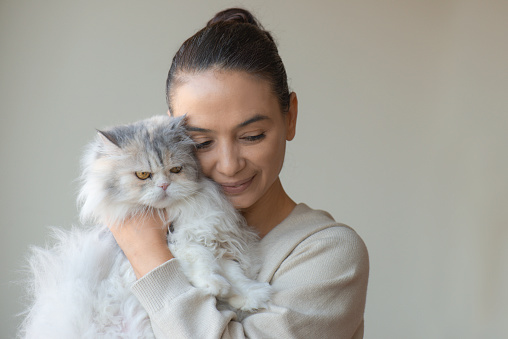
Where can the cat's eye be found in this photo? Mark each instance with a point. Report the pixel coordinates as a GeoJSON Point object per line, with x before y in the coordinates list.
{"type": "Point", "coordinates": [143, 175]}
{"type": "Point", "coordinates": [176, 169]}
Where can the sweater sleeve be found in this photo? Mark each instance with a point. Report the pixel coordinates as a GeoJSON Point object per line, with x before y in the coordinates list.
{"type": "Point", "coordinates": [319, 292]}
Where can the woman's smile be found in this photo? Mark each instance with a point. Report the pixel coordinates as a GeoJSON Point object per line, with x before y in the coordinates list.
{"type": "Point", "coordinates": [236, 187]}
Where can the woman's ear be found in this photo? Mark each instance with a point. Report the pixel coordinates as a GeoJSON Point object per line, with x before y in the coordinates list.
{"type": "Point", "coordinates": [291, 116]}
{"type": "Point", "coordinates": [169, 113]}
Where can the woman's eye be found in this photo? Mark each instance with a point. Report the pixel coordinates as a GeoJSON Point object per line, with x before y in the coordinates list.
{"type": "Point", "coordinates": [203, 145]}
{"type": "Point", "coordinates": [176, 169]}
{"type": "Point", "coordinates": [254, 137]}
{"type": "Point", "coordinates": [143, 175]}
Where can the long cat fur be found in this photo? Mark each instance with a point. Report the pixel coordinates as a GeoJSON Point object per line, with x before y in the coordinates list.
{"type": "Point", "coordinates": [80, 286]}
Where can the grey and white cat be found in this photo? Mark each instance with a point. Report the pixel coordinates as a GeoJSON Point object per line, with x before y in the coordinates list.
{"type": "Point", "coordinates": [80, 287]}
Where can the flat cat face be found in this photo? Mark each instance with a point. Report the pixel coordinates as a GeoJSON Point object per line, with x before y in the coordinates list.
{"type": "Point", "coordinates": [150, 163]}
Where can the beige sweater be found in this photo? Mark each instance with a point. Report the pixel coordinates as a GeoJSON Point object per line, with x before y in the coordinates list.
{"type": "Point", "coordinates": [317, 267]}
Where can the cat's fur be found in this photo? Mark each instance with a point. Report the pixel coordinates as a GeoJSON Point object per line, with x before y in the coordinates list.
{"type": "Point", "coordinates": [80, 287]}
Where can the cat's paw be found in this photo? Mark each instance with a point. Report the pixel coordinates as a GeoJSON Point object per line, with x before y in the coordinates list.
{"type": "Point", "coordinates": [215, 285]}
{"type": "Point", "coordinates": [255, 297]}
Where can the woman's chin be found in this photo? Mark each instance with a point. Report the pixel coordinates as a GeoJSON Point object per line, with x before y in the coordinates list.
{"type": "Point", "coordinates": [239, 202]}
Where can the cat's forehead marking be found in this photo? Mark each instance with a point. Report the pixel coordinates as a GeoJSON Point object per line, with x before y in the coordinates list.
{"type": "Point", "coordinates": [159, 155]}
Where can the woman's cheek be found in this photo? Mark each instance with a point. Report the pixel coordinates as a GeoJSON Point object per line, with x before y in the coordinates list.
{"type": "Point", "coordinates": [206, 161]}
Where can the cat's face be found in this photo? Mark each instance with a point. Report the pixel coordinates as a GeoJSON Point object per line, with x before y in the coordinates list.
{"type": "Point", "coordinates": [150, 163]}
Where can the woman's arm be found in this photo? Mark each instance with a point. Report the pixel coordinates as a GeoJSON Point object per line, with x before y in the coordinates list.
{"type": "Point", "coordinates": [319, 292]}
{"type": "Point", "coordinates": [143, 241]}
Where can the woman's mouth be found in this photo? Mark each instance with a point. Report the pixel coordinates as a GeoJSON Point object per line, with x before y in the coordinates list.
{"type": "Point", "coordinates": [236, 187]}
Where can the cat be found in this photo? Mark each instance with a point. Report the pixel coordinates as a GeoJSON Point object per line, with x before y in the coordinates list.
{"type": "Point", "coordinates": [80, 286]}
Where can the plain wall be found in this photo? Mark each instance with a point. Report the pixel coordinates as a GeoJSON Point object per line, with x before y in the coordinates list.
{"type": "Point", "coordinates": [402, 134]}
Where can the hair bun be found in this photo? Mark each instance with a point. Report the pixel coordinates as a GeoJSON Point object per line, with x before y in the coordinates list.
{"type": "Point", "coordinates": [238, 15]}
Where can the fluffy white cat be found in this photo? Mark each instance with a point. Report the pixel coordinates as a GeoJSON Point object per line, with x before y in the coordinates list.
{"type": "Point", "coordinates": [80, 286]}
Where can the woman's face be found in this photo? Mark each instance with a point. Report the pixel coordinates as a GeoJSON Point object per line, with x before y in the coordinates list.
{"type": "Point", "coordinates": [240, 130]}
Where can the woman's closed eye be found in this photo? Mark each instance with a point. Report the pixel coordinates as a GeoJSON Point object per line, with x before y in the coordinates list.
{"type": "Point", "coordinates": [252, 138]}
{"type": "Point", "coordinates": [204, 144]}
{"type": "Point", "coordinates": [247, 138]}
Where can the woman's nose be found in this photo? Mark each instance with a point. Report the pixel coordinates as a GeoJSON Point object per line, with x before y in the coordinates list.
{"type": "Point", "coordinates": [229, 161]}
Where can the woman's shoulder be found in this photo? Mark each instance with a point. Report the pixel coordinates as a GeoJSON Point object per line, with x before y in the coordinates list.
{"type": "Point", "coordinates": [339, 243]}
{"type": "Point", "coordinates": [305, 222]}
{"type": "Point", "coordinates": [309, 231]}
{"type": "Point", "coordinates": [322, 229]}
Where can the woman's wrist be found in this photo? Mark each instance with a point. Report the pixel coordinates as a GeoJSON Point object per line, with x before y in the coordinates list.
{"type": "Point", "coordinates": [144, 242]}
{"type": "Point", "coordinates": [144, 261]}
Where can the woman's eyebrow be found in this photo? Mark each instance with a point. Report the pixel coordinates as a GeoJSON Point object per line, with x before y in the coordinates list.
{"type": "Point", "coordinates": [257, 117]}
{"type": "Point", "coordinates": [196, 129]}
{"type": "Point", "coordinates": [252, 120]}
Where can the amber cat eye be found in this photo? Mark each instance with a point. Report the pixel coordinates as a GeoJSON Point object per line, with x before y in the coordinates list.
{"type": "Point", "coordinates": [176, 169]}
{"type": "Point", "coordinates": [143, 175]}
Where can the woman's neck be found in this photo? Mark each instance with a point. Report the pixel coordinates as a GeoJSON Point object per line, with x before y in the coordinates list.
{"type": "Point", "coordinates": [270, 210]}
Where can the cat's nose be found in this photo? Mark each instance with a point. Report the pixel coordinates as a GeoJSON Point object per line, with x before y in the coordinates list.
{"type": "Point", "coordinates": [164, 186]}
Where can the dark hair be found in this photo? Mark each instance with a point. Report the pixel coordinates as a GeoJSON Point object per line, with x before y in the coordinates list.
{"type": "Point", "coordinates": [232, 40]}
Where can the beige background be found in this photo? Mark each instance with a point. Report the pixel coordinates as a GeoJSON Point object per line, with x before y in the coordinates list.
{"type": "Point", "coordinates": [402, 134]}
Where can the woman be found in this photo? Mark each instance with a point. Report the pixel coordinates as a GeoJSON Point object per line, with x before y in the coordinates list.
{"type": "Point", "coordinates": [230, 81]}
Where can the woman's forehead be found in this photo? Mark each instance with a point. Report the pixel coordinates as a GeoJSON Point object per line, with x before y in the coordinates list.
{"type": "Point", "coordinates": [224, 98]}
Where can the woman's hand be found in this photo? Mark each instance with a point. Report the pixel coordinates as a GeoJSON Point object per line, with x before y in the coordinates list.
{"type": "Point", "coordinates": [143, 240]}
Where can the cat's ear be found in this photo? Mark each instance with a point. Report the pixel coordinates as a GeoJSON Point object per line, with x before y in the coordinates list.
{"type": "Point", "coordinates": [108, 139]}
{"type": "Point", "coordinates": [179, 122]}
